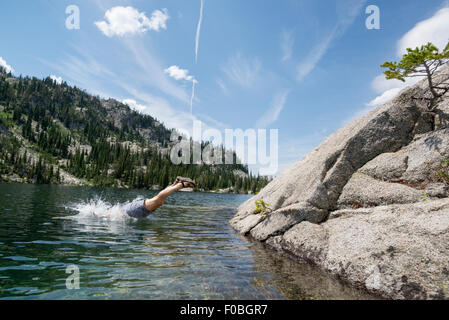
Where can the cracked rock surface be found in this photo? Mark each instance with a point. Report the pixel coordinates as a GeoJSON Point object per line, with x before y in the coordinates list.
{"type": "Point", "coordinates": [367, 204]}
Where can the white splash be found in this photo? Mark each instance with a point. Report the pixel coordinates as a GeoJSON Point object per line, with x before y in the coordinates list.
{"type": "Point", "coordinates": [100, 209]}
{"type": "Point", "coordinates": [198, 31]}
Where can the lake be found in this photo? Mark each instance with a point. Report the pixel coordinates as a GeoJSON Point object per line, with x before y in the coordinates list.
{"type": "Point", "coordinates": [184, 250]}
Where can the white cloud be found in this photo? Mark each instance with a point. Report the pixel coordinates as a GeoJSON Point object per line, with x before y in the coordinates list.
{"type": "Point", "coordinates": [380, 84]}
{"type": "Point", "coordinates": [56, 79]}
{"type": "Point", "coordinates": [6, 66]}
{"type": "Point", "coordinates": [287, 42]}
{"type": "Point", "coordinates": [120, 21]}
{"type": "Point", "coordinates": [134, 105]}
{"type": "Point", "coordinates": [179, 74]}
{"type": "Point", "coordinates": [434, 29]}
{"type": "Point", "coordinates": [272, 114]}
{"type": "Point", "coordinates": [384, 97]}
{"type": "Point", "coordinates": [388, 89]}
{"type": "Point", "coordinates": [242, 71]}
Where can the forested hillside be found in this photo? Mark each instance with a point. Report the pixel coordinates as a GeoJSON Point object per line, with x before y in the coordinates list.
{"type": "Point", "coordinates": [52, 133]}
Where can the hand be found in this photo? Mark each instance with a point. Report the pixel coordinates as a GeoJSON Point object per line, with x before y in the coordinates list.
{"type": "Point", "coordinates": [188, 185]}
{"type": "Point", "coordinates": [185, 185]}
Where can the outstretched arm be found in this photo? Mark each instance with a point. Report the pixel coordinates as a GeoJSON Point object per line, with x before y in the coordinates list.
{"type": "Point", "coordinates": [157, 201]}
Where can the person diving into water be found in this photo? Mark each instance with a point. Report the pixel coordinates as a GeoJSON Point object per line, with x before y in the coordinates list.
{"type": "Point", "coordinates": [142, 208]}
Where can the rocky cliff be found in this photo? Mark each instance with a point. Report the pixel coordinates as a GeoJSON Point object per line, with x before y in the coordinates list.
{"type": "Point", "coordinates": [367, 204]}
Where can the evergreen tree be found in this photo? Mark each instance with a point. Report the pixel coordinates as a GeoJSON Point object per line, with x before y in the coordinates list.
{"type": "Point", "coordinates": [66, 129]}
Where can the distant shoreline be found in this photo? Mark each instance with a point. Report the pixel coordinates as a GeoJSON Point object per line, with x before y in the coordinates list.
{"type": "Point", "coordinates": [117, 187]}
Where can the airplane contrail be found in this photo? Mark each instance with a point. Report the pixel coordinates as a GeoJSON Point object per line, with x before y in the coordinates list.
{"type": "Point", "coordinates": [198, 30]}
{"type": "Point", "coordinates": [193, 96]}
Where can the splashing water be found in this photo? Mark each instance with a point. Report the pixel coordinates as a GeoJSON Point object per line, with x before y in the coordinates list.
{"type": "Point", "coordinates": [185, 250]}
{"type": "Point", "coordinates": [99, 208]}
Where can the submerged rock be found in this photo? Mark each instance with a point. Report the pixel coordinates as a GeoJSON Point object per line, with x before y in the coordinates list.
{"type": "Point", "coordinates": [365, 204]}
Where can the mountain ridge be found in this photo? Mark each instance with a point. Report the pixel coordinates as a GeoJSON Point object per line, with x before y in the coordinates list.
{"type": "Point", "coordinates": [55, 133]}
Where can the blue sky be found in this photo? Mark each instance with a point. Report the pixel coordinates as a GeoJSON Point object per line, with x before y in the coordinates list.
{"type": "Point", "coordinates": [303, 67]}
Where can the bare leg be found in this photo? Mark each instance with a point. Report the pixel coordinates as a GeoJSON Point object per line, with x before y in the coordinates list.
{"type": "Point", "coordinates": [154, 203]}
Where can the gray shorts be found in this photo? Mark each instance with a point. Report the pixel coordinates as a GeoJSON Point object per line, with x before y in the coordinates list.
{"type": "Point", "coordinates": [136, 209]}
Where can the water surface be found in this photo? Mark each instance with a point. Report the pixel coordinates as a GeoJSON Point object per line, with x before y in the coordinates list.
{"type": "Point", "coordinates": [185, 250]}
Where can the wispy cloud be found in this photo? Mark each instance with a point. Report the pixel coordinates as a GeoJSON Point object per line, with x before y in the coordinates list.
{"type": "Point", "coordinates": [307, 66]}
{"type": "Point", "coordinates": [6, 66]}
{"type": "Point", "coordinates": [161, 109]}
{"type": "Point", "coordinates": [434, 29]}
{"type": "Point", "coordinates": [121, 21]}
{"type": "Point", "coordinates": [83, 70]}
{"type": "Point", "coordinates": [139, 100]}
{"type": "Point", "coordinates": [272, 114]}
{"type": "Point", "coordinates": [153, 71]}
{"type": "Point", "coordinates": [287, 42]}
{"type": "Point", "coordinates": [198, 31]}
{"type": "Point", "coordinates": [143, 85]}
{"type": "Point", "coordinates": [241, 70]}
{"type": "Point", "coordinates": [347, 11]}
{"type": "Point", "coordinates": [87, 72]}
{"type": "Point", "coordinates": [192, 96]}
{"type": "Point", "coordinates": [222, 86]}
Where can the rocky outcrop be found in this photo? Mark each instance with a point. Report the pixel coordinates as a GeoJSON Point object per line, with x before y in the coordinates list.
{"type": "Point", "coordinates": [317, 180]}
{"type": "Point", "coordinates": [397, 251]}
{"type": "Point", "coordinates": [364, 191]}
{"type": "Point", "coordinates": [406, 176]}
